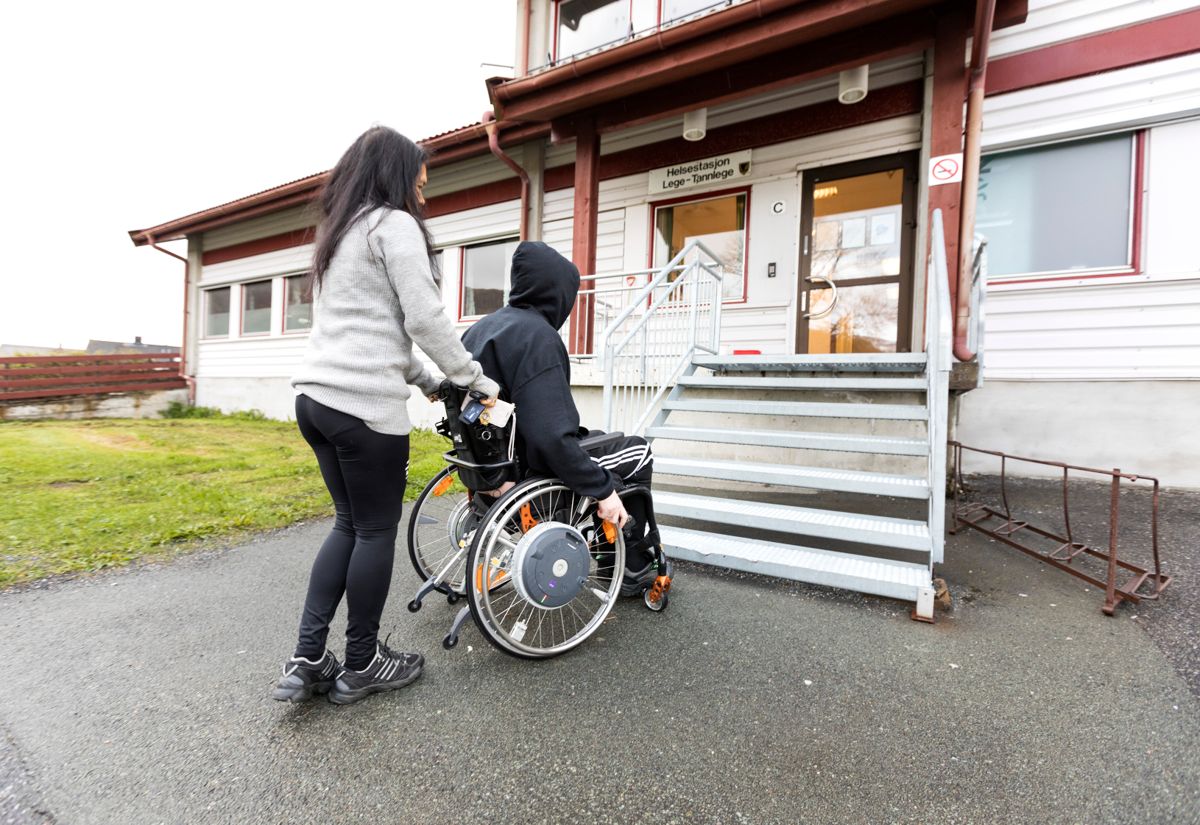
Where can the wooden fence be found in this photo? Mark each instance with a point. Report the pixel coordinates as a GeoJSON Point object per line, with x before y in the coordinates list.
{"type": "Point", "coordinates": [51, 376]}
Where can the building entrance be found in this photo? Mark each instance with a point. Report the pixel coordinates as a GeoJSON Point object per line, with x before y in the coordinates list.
{"type": "Point", "coordinates": [857, 228]}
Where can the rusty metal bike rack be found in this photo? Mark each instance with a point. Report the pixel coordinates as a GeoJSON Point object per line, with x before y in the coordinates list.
{"type": "Point", "coordinates": [977, 515]}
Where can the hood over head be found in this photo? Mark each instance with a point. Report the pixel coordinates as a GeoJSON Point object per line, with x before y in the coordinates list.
{"type": "Point", "coordinates": [544, 281]}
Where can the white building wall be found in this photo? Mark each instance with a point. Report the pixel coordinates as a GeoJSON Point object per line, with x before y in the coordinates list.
{"type": "Point", "coordinates": [1052, 21]}
{"type": "Point", "coordinates": [1101, 371]}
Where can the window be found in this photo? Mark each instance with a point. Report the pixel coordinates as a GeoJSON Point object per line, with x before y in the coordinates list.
{"type": "Point", "coordinates": [256, 308]}
{"type": "Point", "coordinates": [584, 25]}
{"type": "Point", "coordinates": [588, 24]}
{"type": "Point", "coordinates": [719, 223]}
{"type": "Point", "coordinates": [298, 298]}
{"type": "Point", "coordinates": [1060, 208]}
{"type": "Point", "coordinates": [485, 271]}
{"type": "Point", "coordinates": [674, 9]}
{"type": "Point", "coordinates": [436, 266]}
{"type": "Point", "coordinates": [216, 312]}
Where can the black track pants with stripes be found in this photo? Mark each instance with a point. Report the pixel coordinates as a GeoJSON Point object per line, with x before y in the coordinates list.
{"type": "Point", "coordinates": [631, 460]}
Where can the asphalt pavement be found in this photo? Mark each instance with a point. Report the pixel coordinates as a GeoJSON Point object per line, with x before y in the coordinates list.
{"type": "Point", "coordinates": [141, 696]}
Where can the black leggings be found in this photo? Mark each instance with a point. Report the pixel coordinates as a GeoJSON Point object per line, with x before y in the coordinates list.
{"type": "Point", "coordinates": [366, 473]}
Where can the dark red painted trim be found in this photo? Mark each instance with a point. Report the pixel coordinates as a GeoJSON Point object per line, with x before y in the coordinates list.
{"type": "Point", "coordinates": [1158, 39]}
{"type": "Point", "coordinates": [822, 58]}
{"type": "Point", "coordinates": [586, 184]}
{"type": "Point", "coordinates": [888, 102]}
{"type": "Point", "coordinates": [819, 118]}
{"type": "Point", "coordinates": [946, 134]}
{"type": "Point", "coordinates": [274, 243]}
{"type": "Point", "coordinates": [489, 193]}
{"type": "Point", "coordinates": [1121, 273]}
{"type": "Point", "coordinates": [1139, 199]}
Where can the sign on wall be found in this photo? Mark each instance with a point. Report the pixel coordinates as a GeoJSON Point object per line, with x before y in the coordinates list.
{"type": "Point", "coordinates": [721, 169]}
{"type": "Point", "coordinates": [945, 169]}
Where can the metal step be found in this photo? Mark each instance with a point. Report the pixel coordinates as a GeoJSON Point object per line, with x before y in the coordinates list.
{"type": "Point", "coordinates": [836, 362]}
{"type": "Point", "coordinates": [805, 521]}
{"type": "Point", "coordinates": [894, 579]}
{"type": "Point", "coordinates": [834, 442]}
{"type": "Point", "coordinates": [734, 381]}
{"type": "Point", "coordinates": [808, 409]}
{"type": "Point", "coordinates": [815, 478]}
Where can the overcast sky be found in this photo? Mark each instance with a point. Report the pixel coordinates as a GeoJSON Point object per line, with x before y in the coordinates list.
{"type": "Point", "coordinates": [123, 115]}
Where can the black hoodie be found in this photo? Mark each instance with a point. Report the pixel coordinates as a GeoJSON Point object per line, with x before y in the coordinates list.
{"type": "Point", "coordinates": [520, 348]}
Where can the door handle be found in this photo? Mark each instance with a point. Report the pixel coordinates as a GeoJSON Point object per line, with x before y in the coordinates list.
{"type": "Point", "coordinates": [812, 279]}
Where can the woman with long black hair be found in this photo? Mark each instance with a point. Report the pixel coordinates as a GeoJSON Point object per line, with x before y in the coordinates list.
{"type": "Point", "coordinates": [375, 297]}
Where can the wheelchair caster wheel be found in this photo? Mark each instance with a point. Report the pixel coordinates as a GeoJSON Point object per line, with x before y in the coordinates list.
{"type": "Point", "coordinates": [414, 606]}
{"type": "Point", "coordinates": [450, 642]}
{"type": "Point", "coordinates": [657, 596]}
{"type": "Point", "coordinates": [452, 597]}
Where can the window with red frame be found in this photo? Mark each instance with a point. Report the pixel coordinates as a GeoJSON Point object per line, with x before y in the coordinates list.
{"type": "Point", "coordinates": [717, 222]}
{"type": "Point", "coordinates": [1063, 208]}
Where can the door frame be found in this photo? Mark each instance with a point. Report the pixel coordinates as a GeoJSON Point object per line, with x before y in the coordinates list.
{"type": "Point", "coordinates": [908, 162]}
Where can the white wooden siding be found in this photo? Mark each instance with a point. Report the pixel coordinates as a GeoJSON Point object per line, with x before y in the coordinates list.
{"type": "Point", "coordinates": [1142, 326]}
{"type": "Point", "coordinates": [1052, 21]}
{"type": "Point", "coordinates": [482, 223]}
{"type": "Point", "coordinates": [469, 173]}
{"type": "Point", "coordinates": [1137, 96]}
{"type": "Point", "coordinates": [287, 220]}
{"type": "Point", "coordinates": [1173, 180]}
{"type": "Point", "coordinates": [279, 262]}
{"type": "Point", "coordinates": [1095, 331]}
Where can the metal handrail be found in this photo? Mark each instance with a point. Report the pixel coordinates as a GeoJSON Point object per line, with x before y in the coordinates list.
{"type": "Point", "coordinates": [979, 268]}
{"type": "Point", "coordinates": [939, 332]}
{"type": "Point", "coordinates": [669, 331]}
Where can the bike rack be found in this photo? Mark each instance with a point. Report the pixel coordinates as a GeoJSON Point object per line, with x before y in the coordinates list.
{"type": "Point", "coordinates": [981, 517]}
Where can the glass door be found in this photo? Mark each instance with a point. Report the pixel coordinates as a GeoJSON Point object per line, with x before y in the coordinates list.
{"type": "Point", "coordinates": [856, 257]}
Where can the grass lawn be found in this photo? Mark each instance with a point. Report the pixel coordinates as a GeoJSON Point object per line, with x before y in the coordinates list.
{"type": "Point", "coordinates": [84, 495]}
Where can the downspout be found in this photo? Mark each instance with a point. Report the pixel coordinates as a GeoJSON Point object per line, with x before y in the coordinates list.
{"type": "Point", "coordinates": [525, 12]}
{"type": "Point", "coordinates": [493, 133]}
{"type": "Point", "coordinates": [191, 382]}
{"type": "Point", "coordinates": [985, 12]}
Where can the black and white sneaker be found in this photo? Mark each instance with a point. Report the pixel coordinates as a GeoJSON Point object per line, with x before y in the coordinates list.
{"type": "Point", "coordinates": [389, 670]}
{"type": "Point", "coordinates": [636, 582]}
{"type": "Point", "coordinates": [304, 677]}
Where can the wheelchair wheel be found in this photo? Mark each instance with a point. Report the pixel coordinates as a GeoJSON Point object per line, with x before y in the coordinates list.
{"type": "Point", "coordinates": [552, 576]}
{"type": "Point", "coordinates": [439, 529]}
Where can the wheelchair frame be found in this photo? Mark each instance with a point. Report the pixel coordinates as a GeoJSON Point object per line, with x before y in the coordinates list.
{"type": "Point", "coordinates": [553, 570]}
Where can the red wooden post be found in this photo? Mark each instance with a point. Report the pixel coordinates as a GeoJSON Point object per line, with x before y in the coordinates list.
{"type": "Point", "coordinates": [583, 242]}
{"type": "Point", "coordinates": [946, 127]}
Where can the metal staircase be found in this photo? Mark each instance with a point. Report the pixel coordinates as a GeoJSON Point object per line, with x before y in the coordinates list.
{"type": "Point", "coordinates": [848, 436]}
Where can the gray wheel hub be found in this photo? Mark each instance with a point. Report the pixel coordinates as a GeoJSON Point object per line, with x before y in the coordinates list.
{"type": "Point", "coordinates": [550, 565]}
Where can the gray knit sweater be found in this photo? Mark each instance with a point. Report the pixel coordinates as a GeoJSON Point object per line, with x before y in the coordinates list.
{"type": "Point", "coordinates": [377, 299]}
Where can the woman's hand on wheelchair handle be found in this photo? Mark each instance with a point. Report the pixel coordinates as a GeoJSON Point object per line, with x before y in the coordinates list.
{"type": "Point", "coordinates": [613, 509]}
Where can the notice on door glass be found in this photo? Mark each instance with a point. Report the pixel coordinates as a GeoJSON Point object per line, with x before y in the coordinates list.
{"type": "Point", "coordinates": [883, 229]}
{"type": "Point", "coordinates": [854, 233]}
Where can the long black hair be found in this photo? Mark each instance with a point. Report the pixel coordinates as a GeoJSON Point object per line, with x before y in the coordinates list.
{"type": "Point", "coordinates": [381, 168]}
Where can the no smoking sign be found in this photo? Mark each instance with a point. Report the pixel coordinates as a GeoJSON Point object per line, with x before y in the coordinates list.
{"type": "Point", "coordinates": [945, 169]}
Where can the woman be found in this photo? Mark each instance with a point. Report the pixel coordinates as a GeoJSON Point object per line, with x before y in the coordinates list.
{"type": "Point", "coordinates": [375, 298]}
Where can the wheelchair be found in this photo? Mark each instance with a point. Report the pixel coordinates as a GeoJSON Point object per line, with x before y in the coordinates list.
{"type": "Point", "coordinates": [539, 570]}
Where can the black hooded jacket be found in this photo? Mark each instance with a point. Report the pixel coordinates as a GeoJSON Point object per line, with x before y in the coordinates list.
{"type": "Point", "coordinates": [519, 346]}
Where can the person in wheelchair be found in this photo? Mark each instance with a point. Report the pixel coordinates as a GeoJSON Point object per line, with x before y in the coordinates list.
{"type": "Point", "coordinates": [519, 347]}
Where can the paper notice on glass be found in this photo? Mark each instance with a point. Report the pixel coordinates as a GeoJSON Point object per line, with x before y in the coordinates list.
{"type": "Point", "coordinates": [825, 236]}
{"type": "Point", "coordinates": [854, 233]}
{"type": "Point", "coordinates": [883, 230]}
